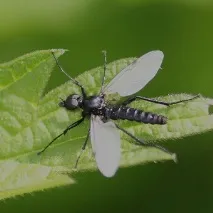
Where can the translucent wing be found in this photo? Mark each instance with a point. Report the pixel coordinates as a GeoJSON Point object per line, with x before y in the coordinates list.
{"type": "Point", "coordinates": [135, 76]}
{"type": "Point", "coordinates": [105, 139]}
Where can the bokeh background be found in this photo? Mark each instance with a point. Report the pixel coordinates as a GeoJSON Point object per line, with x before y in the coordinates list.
{"type": "Point", "coordinates": [183, 30]}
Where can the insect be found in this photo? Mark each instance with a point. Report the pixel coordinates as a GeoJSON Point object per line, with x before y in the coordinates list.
{"type": "Point", "coordinates": [103, 132]}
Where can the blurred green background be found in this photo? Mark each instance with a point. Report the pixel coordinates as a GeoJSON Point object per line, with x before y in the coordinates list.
{"type": "Point", "coordinates": [183, 30]}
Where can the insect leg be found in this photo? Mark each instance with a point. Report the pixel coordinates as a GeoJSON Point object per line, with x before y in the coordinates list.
{"type": "Point", "coordinates": [128, 101]}
{"type": "Point", "coordinates": [72, 79]}
{"type": "Point", "coordinates": [63, 133]}
{"type": "Point", "coordinates": [82, 149]}
{"type": "Point", "coordinates": [105, 64]}
{"type": "Point", "coordinates": [144, 143]}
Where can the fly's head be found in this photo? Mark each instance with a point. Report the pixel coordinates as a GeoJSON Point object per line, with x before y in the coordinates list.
{"type": "Point", "coordinates": [72, 102]}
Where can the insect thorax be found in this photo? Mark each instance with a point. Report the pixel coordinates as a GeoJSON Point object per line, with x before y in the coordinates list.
{"type": "Point", "coordinates": [94, 105]}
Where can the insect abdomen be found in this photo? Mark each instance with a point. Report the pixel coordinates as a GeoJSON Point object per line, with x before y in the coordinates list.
{"type": "Point", "coordinates": [131, 114]}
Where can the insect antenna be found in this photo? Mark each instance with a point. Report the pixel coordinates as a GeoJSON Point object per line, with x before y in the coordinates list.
{"type": "Point", "coordinates": [72, 79]}
{"type": "Point", "coordinates": [105, 64]}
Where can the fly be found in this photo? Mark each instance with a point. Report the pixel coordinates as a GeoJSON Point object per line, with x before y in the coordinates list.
{"type": "Point", "coordinates": [103, 132]}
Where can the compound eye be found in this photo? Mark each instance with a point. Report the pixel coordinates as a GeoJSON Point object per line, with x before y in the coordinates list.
{"type": "Point", "coordinates": [75, 96]}
{"type": "Point", "coordinates": [72, 102]}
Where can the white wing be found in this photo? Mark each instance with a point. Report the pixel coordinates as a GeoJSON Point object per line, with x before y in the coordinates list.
{"type": "Point", "coordinates": [135, 76]}
{"type": "Point", "coordinates": [105, 139]}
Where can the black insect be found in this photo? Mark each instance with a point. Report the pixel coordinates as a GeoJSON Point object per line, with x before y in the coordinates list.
{"type": "Point", "coordinates": [105, 137]}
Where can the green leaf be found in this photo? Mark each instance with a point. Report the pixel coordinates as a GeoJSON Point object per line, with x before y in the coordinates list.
{"type": "Point", "coordinates": [30, 121]}
{"type": "Point", "coordinates": [20, 178]}
{"type": "Point", "coordinates": [22, 82]}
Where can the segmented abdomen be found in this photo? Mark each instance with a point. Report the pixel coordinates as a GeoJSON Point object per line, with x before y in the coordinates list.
{"type": "Point", "coordinates": [131, 114]}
